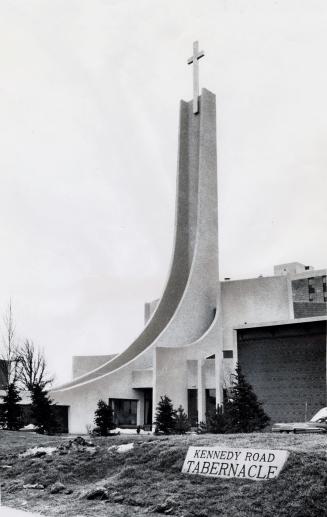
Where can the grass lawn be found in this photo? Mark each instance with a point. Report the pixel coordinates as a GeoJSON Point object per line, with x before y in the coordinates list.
{"type": "Point", "coordinates": [147, 480]}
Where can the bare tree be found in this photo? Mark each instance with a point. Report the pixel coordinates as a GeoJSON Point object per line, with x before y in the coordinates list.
{"type": "Point", "coordinates": [9, 350]}
{"type": "Point", "coordinates": [33, 368]}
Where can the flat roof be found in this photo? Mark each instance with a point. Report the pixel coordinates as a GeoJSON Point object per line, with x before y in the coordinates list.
{"type": "Point", "coordinates": [292, 276]}
{"type": "Point", "coordinates": [280, 322]}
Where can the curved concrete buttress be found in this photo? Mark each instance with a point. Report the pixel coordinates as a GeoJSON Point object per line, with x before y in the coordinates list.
{"type": "Point", "coordinates": [187, 307]}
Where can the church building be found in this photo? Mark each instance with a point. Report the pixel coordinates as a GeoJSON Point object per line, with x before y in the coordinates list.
{"type": "Point", "coordinates": [201, 326]}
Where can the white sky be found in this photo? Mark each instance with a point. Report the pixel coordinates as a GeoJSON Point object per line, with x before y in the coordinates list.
{"type": "Point", "coordinates": [89, 100]}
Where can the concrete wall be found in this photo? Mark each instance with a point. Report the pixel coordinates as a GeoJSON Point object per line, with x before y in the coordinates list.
{"type": "Point", "coordinates": [171, 376]}
{"type": "Point", "coordinates": [83, 397]}
{"type": "Point", "coordinates": [178, 369]}
{"type": "Point", "coordinates": [85, 363]}
{"type": "Point", "coordinates": [254, 300]}
{"type": "Point", "coordinates": [251, 301]}
{"type": "Point", "coordinates": [142, 378]}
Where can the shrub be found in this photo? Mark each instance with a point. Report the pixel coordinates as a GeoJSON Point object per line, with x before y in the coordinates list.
{"type": "Point", "coordinates": [103, 418]}
{"type": "Point", "coordinates": [165, 421]}
{"type": "Point", "coordinates": [182, 422]}
{"type": "Point", "coordinates": [42, 414]}
{"type": "Point", "coordinates": [243, 412]}
{"type": "Point", "coordinates": [216, 421]}
{"type": "Point", "coordinates": [10, 408]}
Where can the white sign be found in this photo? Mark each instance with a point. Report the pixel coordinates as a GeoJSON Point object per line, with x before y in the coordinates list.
{"type": "Point", "coordinates": [222, 462]}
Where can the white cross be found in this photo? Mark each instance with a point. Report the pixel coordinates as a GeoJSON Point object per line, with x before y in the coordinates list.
{"type": "Point", "coordinates": [194, 60]}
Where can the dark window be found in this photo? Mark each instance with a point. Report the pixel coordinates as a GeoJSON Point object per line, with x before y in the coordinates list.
{"type": "Point", "coordinates": [311, 289]}
{"type": "Point", "coordinates": [148, 407]}
{"type": "Point", "coordinates": [228, 354]}
{"type": "Point", "coordinates": [210, 401]}
{"type": "Point", "coordinates": [125, 411]}
{"type": "Point", "coordinates": [192, 406]}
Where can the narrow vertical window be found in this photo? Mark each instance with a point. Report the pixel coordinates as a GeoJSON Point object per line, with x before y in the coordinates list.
{"type": "Point", "coordinates": [311, 289]}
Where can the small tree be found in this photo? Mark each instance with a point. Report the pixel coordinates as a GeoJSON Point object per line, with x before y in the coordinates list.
{"type": "Point", "coordinates": [42, 412]}
{"type": "Point", "coordinates": [216, 421]}
{"type": "Point", "coordinates": [182, 423]}
{"type": "Point", "coordinates": [103, 418]}
{"type": "Point", "coordinates": [10, 408]}
{"type": "Point", "coordinates": [9, 369]}
{"type": "Point", "coordinates": [165, 421]}
{"type": "Point", "coordinates": [243, 411]}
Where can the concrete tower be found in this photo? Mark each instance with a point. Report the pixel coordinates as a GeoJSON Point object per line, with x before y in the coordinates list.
{"type": "Point", "coordinates": [183, 330]}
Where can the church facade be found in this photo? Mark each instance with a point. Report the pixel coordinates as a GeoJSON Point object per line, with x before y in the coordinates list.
{"type": "Point", "coordinates": [201, 326]}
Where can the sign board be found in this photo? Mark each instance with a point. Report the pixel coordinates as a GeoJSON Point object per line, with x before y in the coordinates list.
{"type": "Point", "coordinates": [222, 462]}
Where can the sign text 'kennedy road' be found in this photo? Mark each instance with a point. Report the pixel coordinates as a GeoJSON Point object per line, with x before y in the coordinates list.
{"type": "Point", "coordinates": [257, 464]}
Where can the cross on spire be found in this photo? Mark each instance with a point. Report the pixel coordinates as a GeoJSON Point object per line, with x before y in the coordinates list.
{"type": "Point", "coordinates": [195, 61]}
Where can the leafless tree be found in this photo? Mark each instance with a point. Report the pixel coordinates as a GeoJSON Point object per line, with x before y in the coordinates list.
{"type": "Point", "coordinates": [33, 368]}
{"type": "Point", "coordinates": [9, 350]}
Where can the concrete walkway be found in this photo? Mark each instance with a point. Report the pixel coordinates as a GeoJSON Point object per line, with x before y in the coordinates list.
{"type": "Point", "coordinates": [11, 512]}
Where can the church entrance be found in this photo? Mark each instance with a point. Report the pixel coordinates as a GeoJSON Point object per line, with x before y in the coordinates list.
{"type": "Point", "coordinates": [286, 365]}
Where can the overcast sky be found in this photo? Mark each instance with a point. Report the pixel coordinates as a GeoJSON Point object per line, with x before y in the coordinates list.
{"type": "Point", "coordinates": [89, 101]}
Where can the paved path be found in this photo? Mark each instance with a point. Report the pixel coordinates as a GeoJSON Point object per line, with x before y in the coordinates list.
{"type": "Point", "coordinates": [11, 512]}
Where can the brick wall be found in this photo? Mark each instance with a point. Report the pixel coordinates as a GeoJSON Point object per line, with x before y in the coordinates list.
{"type": "Point", "coordinates": [286, 366]}
{"type": "Point", "coordinates": [309, 309]}
{"type": "Point", "coordinates": [309, 297]}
